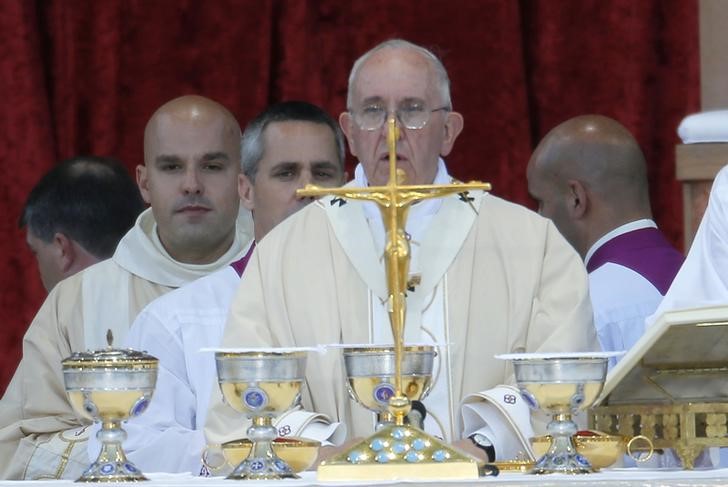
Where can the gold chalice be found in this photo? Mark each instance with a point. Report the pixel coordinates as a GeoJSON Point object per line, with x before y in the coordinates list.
{"type": "Point", "coordinates": [370, 371]}
{"type": "Point", "coordinates": [261, 384]}
{"type": "Point", "coordinates": [110, 386]}
{"type": "Point", "coordinates": [561, 385]}
{"type": "Point", "coordinates": [299, 453]}
{"type": "Point", "coordinates": [601, 449]}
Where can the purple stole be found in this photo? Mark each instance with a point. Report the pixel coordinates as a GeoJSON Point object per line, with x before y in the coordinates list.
{"type": "Point", "coordinates": [646, 251]}
{"type": "Point", "coordinates": [240, 265]}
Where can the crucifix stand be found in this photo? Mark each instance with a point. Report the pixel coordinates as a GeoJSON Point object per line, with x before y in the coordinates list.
{"type": "Point", "coordinates": [432, 458]}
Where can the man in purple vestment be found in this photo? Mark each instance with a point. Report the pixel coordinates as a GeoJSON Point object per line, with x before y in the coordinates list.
{"type": "Point", "coordinates": [589, 176]}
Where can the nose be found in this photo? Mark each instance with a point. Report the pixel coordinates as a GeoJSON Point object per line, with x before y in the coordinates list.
{"type": "Point", "coordinates": [191, 183]}
{"type": "Point", "coordinates": [398, 124]}
{"type": "Point", "coordinates": [305, 178]}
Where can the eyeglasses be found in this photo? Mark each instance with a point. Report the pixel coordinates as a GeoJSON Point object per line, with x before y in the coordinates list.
{"type": "Point", "coordinates": [412, 114]}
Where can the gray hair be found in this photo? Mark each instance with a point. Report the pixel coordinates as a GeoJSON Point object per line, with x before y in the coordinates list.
{"type": "Point", "coordinates": [288, 111]}
{"type": "Point", "coordinates": [443, 80]}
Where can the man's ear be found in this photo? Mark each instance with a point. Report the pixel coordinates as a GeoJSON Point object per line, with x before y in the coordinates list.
{"type": "Point", "coordinates": [346, 122]}
{"type": "Point", "coordinates": [246, 190]}
{"type": "Point", "coordinates": [578, 203]}
{"type": "Point", "coordinates": [143, 182]}
{"type": "Point", "coordinates": [64, 251]}
{"type": "Point", "coordinates": [453, 126]}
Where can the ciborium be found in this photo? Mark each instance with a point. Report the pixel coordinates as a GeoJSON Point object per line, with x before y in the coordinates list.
{"type": "Point", "coordinates": [370, 371]}
{"type": "Point", "coordinates": [261, 384]}
{"type": "Point", "coordinates": [561, 385]}
{"type": "Point", "coordinates": [110, 386]}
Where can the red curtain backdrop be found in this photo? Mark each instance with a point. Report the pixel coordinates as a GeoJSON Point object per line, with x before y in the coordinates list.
{"type": "Point", "coordinates": [82, 77]}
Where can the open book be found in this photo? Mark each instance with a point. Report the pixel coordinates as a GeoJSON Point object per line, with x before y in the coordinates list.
{"type": "Point", "coordinates": [682, 357]}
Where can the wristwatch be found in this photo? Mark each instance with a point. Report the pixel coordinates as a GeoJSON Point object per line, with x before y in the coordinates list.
{"type": "Point", "coordinates": [482, 442]}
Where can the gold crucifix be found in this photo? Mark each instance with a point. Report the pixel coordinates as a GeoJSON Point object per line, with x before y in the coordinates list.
{"type": "Point", "coordinates": [394, 201]}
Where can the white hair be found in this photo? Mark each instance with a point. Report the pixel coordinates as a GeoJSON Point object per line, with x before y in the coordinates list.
{"type": "Point", "coordinates": [443, 80]}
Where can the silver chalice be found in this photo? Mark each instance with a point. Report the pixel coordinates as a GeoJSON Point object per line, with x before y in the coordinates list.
{"type": "Point", "coordinates": [110, 386]}
{"type": "Point", "coordinates": [261, 384]}
{"type": "Point", "coordinates": [370, 371]}
{"type": "Point", "coordinates": [561, 384]}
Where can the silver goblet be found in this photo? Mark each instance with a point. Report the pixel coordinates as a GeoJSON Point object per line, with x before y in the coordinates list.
{"type": "Point", "coordinates": [370, 370]}
{"type": "Point", "coordinates": [261, 384]}
{"type": "Point", "coordinates": [561, 385]}
{"type": "Point", "coordinates": [110, 386]}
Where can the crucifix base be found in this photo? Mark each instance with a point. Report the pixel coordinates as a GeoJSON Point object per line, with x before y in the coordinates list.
{"type": "Point", "coordinates": [399, 452]}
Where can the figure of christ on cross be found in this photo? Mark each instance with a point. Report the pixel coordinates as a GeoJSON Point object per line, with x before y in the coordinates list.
{"type": "Point", "coordinates": [394, 201]}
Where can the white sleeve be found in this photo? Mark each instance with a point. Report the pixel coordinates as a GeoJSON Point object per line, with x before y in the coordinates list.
{"type": "Point", "coordinates": [504, 417]}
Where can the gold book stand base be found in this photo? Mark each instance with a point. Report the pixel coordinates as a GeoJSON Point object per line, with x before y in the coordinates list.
{"type": "Point", "coordinates": [688, 428]}
{"type": "Point", "coordinates": [399, 452]}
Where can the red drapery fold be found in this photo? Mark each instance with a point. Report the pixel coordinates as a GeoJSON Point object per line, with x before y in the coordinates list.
{"type": "Point", "coordinates": [83, 77]}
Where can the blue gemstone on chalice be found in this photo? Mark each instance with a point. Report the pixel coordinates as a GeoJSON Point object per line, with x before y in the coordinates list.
{"type": "Point", "coordinates": [398, 433]}
{"type": "Point", "coordinates": [356, 456]}
{"type": "Point", "coordinates": [440, 455]}
{"type": "Point", "coordinates": [377, 444]}
{"type": "Point", "coordinates": [412, 456]}
{"type": "Point", "coordinates": [399, 447]}
{"type": "Point", "coordinates": [419, 444]}
{"type": "Point", "coordinates": [382, 457]}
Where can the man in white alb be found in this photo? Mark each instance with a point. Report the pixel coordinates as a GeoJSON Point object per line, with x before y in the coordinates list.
{"type": "Point", "coordinates": [194, 226]}
{"type": "Point", "coordinates": [287, 146]}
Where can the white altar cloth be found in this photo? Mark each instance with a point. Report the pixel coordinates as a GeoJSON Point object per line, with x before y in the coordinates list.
{"type": "Point", "coordinates": [619, 477]}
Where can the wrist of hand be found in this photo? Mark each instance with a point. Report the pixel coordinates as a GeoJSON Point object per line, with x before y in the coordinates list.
{"type": "Point", "coordinates": [483, 443]}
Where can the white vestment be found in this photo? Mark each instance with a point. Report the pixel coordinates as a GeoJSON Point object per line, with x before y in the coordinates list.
{"type": "Point", "coordinates": [168, 436]}
{"type": "Point", "coordinates": [505, 280]}
{"type": "Point", "coordinates": [41, 436]}
{"type": "Point", "coordinates": [630, 268]}
{"type": "Point", "coordinates": [703, 278]}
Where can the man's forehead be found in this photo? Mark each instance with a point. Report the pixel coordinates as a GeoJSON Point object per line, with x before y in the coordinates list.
{"type": "Point", "coordinates": [395, 74]}
{"type": "Point", "coordinates": [298, 140]}
{"type": "Point", "coordinates": [189, 138]}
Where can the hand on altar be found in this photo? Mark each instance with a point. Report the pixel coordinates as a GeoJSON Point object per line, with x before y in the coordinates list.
{"type": "Point", "coordinates": [466, 445]}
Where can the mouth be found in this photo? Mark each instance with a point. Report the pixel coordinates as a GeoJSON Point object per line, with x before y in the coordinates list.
{"type": "Point", "coordinates": [193, 210]}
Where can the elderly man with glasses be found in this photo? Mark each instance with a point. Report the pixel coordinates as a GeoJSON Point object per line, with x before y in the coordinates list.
{"type": "Point", "coordinates": [486, 276]}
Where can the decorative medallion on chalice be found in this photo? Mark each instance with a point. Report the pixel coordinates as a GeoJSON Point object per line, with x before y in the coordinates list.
{"type": "Point", "coordinates": [261, 384]}
{"type": "Point", "coordinates": [561, 384]}
{"type": "Point", "coordinates": [411, 453]}
{"type": "Point", "coordinates": [110, 386]}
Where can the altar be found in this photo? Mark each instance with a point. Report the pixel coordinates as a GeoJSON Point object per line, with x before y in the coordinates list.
{"type": "Point", "coordinates": [619, 477]}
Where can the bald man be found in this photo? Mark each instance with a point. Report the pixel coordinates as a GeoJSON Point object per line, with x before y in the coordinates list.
{"type": "Point", "coordinates": [588, 175]}
{"type": "Point", "coordinates": [194, 226]}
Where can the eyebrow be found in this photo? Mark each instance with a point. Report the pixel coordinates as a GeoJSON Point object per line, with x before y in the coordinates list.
{"type": "Point", "coordinates": [166, 159]}
{"type": "Point", "coordinates": [324, 164]}
{"type": "Point", "coordinates": [214, 156]}
{"type": "Point", "coordinates": [209, 156]}
{"type": "Point", "coordinates": [372, 99]}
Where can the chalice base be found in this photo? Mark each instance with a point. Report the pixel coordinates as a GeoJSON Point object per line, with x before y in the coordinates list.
{"type": "Point", "coordinates": [263, 468]}
{"type": "Point", "coordinates": [399, 452]}
{"type": "Point", "coordinates": [112, 466]}
{"type": "Point", "coordinates": [562, 457]}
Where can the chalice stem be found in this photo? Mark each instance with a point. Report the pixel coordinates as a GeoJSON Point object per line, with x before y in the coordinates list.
{"type": "Point", "coordinates": [262, 433]}
{"type": "Point", "coordinates": [111, 436]}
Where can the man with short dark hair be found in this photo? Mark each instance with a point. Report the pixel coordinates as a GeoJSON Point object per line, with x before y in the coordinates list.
{"type": "Point", "coordinates": [193, 227]}
{"type": "Point", "coordinates": [287, 146]}
{"type": "Point", "coordinates": [77, 213]}
{"type": "Point", "coordinates": [588, 175]}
